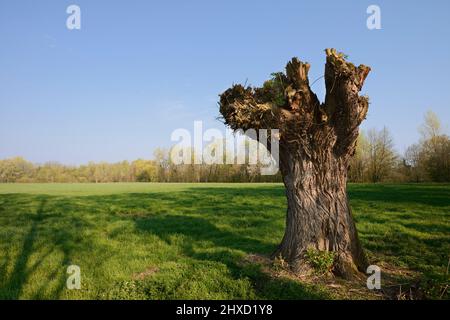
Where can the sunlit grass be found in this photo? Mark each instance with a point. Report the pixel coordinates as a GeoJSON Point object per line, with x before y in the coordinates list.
{"type": "Point", "coordinates": [189, 239]}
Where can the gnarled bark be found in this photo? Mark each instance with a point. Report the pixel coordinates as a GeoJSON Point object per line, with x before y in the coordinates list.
{"type": "Point", "coordinates": [317, 141]}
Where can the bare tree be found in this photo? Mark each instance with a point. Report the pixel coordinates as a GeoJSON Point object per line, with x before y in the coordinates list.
{"type": "Point", "coordinates": [162, 161]}
{"type": "Point", "coordinates": [414, 162]}
{"type": "Point", "coordinates": [436, 155]}
{"type": "Point", "coordinates": [317, 141]}
{"type": "Point", "coordinates": [434, 149]}
{"type": "Point", "coordinates": [431, 127]}
{"type": "Point", "coordinates": [381, 155]}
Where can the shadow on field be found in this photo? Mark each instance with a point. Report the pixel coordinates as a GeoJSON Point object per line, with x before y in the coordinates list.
{"type": "Point", "coordinates": [196, 214]}
{"type": "Point", "coordinates": [197, 229]}
{"type": "Point", "coordinates": [229, 220]}
{"type": "Point", "coordinates": [22, 255]}
{"type": "Point", "coordinates": [234, 218]}
{"type": "Point", "coordinates": [41, 234]}
{"type": "Point", "coordinates": [20, 271]}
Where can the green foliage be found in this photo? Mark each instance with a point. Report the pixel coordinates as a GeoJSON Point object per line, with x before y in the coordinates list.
{"type": "Point", "coordinates": [273, 89]}
{"type": "Point", "coordinates": [320, 261]}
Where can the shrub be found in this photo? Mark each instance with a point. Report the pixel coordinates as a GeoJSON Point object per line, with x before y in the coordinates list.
{"type": "Point", "coordinates": [320, 261]}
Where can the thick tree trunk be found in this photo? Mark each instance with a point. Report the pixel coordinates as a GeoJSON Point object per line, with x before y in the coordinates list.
{"type": "Point", "coordinates": [317, 141]}
{"type": "Point", "coordinates": [318, 214]}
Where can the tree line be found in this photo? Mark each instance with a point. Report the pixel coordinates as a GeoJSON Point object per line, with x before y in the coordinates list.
{"type": "Point", "coordinates": [428, 160]}
{"type": "Point", "coordinates": [375, 160]}
{"type": "Point", "coordinates": [159, 169]}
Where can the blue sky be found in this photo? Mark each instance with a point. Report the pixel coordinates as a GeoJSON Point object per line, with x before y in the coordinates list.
{"type": "Point", "coordinates": [137, 70]}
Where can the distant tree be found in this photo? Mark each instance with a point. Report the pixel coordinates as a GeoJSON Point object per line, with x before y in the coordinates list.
{"type": "Point", "coordinates": [162, 161]}
{"type": "Point", "coordinates": [435, 148]}
{"type": "Point", "coordinates": [437, 158]}
{"type": "Point", "coordinates": [382, 157]}
{"type": "Point", "coordinates": [430, 158]}
{"type": "Point", "coordinates": [145, 170]}
{"type": "Point", "coordinates": [431, 128]}
{"type": "Point", "coordinates": [15, 169]}
{"type": "Point", "coordinates": [414, 163]}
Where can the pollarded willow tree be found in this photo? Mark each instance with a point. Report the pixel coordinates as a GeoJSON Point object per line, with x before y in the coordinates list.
{"type": "Point", "coordinates": [316, 143]}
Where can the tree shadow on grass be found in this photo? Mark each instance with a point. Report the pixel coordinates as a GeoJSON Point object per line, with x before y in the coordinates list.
{"type": "Point", "coordinates": [13, 284]}
{"type": "Point", "coordinates": [52, 228]}
{"type": "Point", "coordinates": [232, 219]}
{"type": "Point", "coordinates": [200, 214]}
{"type": "Point", "coordinates": [218, 224]}
{"type": "Point", "coordinates": [18, 266]}
{"type": "Point", "coordinates": [226, 244]}
{"type": "Point", "coordinates": [197, 213]}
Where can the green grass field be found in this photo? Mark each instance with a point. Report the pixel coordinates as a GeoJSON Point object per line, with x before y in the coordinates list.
{"type": "Point", "coordinates": [192, 241]}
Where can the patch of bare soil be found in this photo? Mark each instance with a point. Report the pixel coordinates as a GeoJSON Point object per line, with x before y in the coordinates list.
{"type": "Point", "coordinates": [147, 273]}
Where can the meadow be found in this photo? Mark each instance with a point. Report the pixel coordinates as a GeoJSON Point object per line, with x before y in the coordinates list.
{"type": "Point", "coordinates": [207, 241]}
